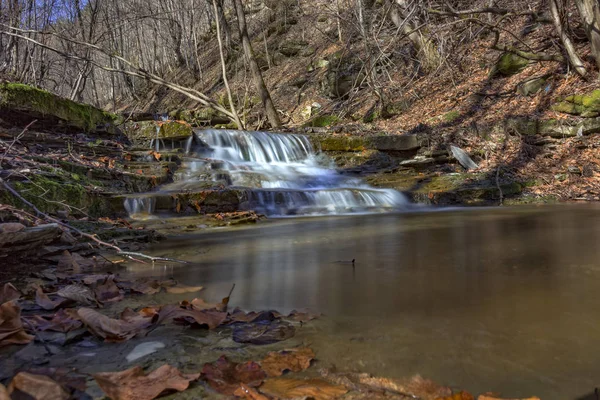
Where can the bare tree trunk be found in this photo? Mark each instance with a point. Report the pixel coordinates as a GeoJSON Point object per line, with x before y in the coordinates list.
{"type": "Point", "coordinates": [574, 59]}
{"type": "Point", "coordinates": [590, 15]}
{"type": "Point", "coordinates": [263, 92]}
{"type": "Point", "coordinates": [224, 71]}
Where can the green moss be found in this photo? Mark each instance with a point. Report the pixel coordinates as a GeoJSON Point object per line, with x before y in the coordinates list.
{"type": "Point", "coordinates": [509, 64]}
{"type": "Point", "coordinates": [323, 121]}
{"type": "Point", "coordinates": [19, 97]}
{"type": "Point", "coordinates": [451, 116]}
{"type": "Point", "coordinates": [585, 105]}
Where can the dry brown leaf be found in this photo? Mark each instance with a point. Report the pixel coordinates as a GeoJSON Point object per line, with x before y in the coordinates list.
{"type": "Point", "coordinates": [134, 384]}
{"type": "Point", "coordinates": [299, 316]}
{"type": "Point", "coordinates": [11, 328]}
{"type": "Point", "coordinates": [108, 291]}
{"type": "Point", "coordinates": [248, 393]}
{"type": "Point", "coordinates": [462, 395]}
{"type": "Point", "coordinates": [111, 330]}
{"type": "Point", "coordinates": [4, 393]}
{"type": "Point", "coordinates": [8, 293]}
{"type": "Point", "coordinates": [146, 286]}
{"type": "Point", "coordinates": [494, 397]}
{"type": "Point", "coordinates": [40, 387]}
{"type": "Point", "coordinates": [414, 387]}
{"type": "Point", "coordinates": [295, 360]}
{"type": "Point", "coordinates": [317, 389]}
{"type": "Point", "coordinates": [11, 227]}
{"type": "Point", "coordinates": [225, 376]}
{"type": "Point", "coordinates": [181, 289]}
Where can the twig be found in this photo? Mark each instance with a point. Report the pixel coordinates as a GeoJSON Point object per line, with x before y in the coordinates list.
{"type": "Point", "coordinates": [16, 139]}
{"type": "Point", "coordinates": [38, 337]}
{"type": "Point", "coordinates": [81, 233]}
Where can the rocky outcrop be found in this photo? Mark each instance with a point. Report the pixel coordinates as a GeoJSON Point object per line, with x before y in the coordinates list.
{"type": "Point", "coordinates": [142, 133]}
{"type": "Point", "coordinates": [551, 127]}
{"type": "Point", "coordinates": [509, 64]}
{"type": "Point", "coordinates": [385, 143]}
{"type": "Point", "coordinates": [20, 104]}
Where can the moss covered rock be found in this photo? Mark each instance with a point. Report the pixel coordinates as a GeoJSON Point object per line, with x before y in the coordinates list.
{"type": "Point", "coordinates": [142, 133]}
{"type": "Point", "coordinates": [23, 103]}
{"type": "Point", "coordinates": [386, 143]}
{"type": "Point", "coordinates": [322, 121]}
{"type": "Point", "coordinates": [585, 105]}
{"type": "Point", "coordinates": [509, 64]}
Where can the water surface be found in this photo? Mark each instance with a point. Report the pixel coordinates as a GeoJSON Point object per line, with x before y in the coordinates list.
{"type": "Point", "coordinates": [504, 300]}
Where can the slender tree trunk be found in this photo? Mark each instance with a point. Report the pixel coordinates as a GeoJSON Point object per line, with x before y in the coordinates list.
{"type": "Point", "coordinates": [590, 15]}
{"type": "Point", "coordinates": [224, 71]}
{"type": "Point", "coordinates": [574, 59]}
{"type": "Point", "coordinates": [263, 92]}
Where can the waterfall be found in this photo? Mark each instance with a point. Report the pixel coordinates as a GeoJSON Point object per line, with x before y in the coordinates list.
{"type": "Point", "coordinates": [282, 175]}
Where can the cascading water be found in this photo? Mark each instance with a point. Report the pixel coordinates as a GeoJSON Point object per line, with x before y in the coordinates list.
{"type": "Point", "coordinates": [282, 175]}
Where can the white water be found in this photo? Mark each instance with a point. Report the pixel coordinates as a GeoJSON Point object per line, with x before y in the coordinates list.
{"type": "Point", "coordinates": [282, 174]}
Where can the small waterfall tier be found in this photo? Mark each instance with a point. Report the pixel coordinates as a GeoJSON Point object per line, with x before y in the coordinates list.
{"type": "Point", "coordinates": [279, 174]}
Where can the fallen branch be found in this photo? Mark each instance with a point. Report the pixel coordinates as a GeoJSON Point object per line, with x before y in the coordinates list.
{"type": "Point", "coordinates": [45, 216]}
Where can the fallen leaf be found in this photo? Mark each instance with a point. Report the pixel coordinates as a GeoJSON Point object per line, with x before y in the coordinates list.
{"type": "Point", "coordinates": [108, 291]}
{"type": "Point", "coordinates": [79, 293]}
{"type": "Point", "coordinates": [40, 387]}
{"type": "Point", "coordinates": [42, 300]}
{"type": "Point", "coordinates": [4, 393]}
{"type": "Point", "coordinates": [11, 227]}
{"type": "Point", "coordinates": [208, 318]}
{"type": "Point", "coordinates": [62, 321]}
{"type": "Point", "coordinates": [301, 316]}
{"type": "Point", "coordinates": [11, 328]}
{"type": "Point", "coordinates": [111, 330]}
{"type": "Point", "coordinates": [493, 397]}
{"type": "Point", "coordinates": [462, 395]}
{"type": "Point", "coordinates": [238, 315]}
{"type": "Point", "coordinates": [225, 376]}
{"type": "Point", "coordinates": [146, 286]}
{"type": "Point", "coordinates": [295, 360]}
{"type": "Point", "coordinates": [317, 389]}
{"type": "Point", "coordinates": [416, 387]}
{"type": "Point", "coordinates": [134, 384]}
{"type": "Point", "coordinates": [263, 332]}
{"type": "Point", "coordinates": [68, 379]}
{"type": "Point", "coordinates": [248, 393]}
{"type": "Point", "coordinates": [93, 279]}
{"type": "Point", "coordinates": [180, 289]}
{"type": "Point", "coordinates": [8, 293]}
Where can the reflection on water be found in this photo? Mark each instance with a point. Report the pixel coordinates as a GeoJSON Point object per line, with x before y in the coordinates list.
{"type": "Point", "coordinates": [504, 300]}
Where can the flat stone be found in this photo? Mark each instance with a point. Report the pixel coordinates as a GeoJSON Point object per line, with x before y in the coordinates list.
{"type": "Point", "coordinates": [386, 143]}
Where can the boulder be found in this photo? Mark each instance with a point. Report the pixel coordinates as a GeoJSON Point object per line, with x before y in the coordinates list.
{"type": "Point", "coordinates": [509, 64]}
{"type": "Point", "coordinates": [21, 104]}
{"type": "Point", "coordinates": [532, 86]}
{"type": "Point", "coordinates": [584, 105]}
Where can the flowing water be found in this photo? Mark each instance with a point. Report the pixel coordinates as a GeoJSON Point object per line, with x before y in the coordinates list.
{"type": "Point", "coordinates": [503, 300]}
{"type": "Point", "coordinates": [281, 174]}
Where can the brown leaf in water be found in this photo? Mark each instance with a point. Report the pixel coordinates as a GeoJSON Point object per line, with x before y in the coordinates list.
{"type": "Point", "coordinates": [295, 360]}
{"type": "Point", "coordinates": [11, 328]}
{"type": "Point", "coordinates": [248, 393]}
{"type": "Point", "coordinates": [462, 395]}
{"type": "Point", "coordinates": [414, 387]}
{"type": "Point", "coordinates": [42, 300]}
{"type": "Point", "coordinates": [4, 393]}
{"type": "Point", "coordinates": [488, 396]}
{"type": "Point", "coordinates": [40, 387]}
{"type": "Point", "coordinates": [208, 318]}
{"type": "Point", "coordinates": [317, 389]}
{"type": "Point", "coordinates": [108, 291]}
{"type": "Point", "coordinates": [134, 384]}
{"type": "Point", "coordinates": [146, 286]}
{"type": "Point", "coordinates": [62, 321]}
{"type": "Point", "coordinates": [238, 315]}
{"type": "Point", "coordinates": [225, 376]}
{"type": "Point", "coordinates": [181, 289]}
{"type": "Point", "coordinates": [94, 278]}
{"type": "Point", "coordinates": [66, 377]}
{"type": "Point", "coordinates": [111, 330]}
{"type": "Point", "coordinates": [79, 293]}
{"type": "Point", "coordinates": [299, 316]}
{"type": "Point", "coordinates": [263, 332]}
{"type": "Point", "coordinates": [8, 293]}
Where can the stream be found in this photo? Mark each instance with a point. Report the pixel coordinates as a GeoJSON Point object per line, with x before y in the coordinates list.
{"type": "Point", "coordinates": [503, 300]}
